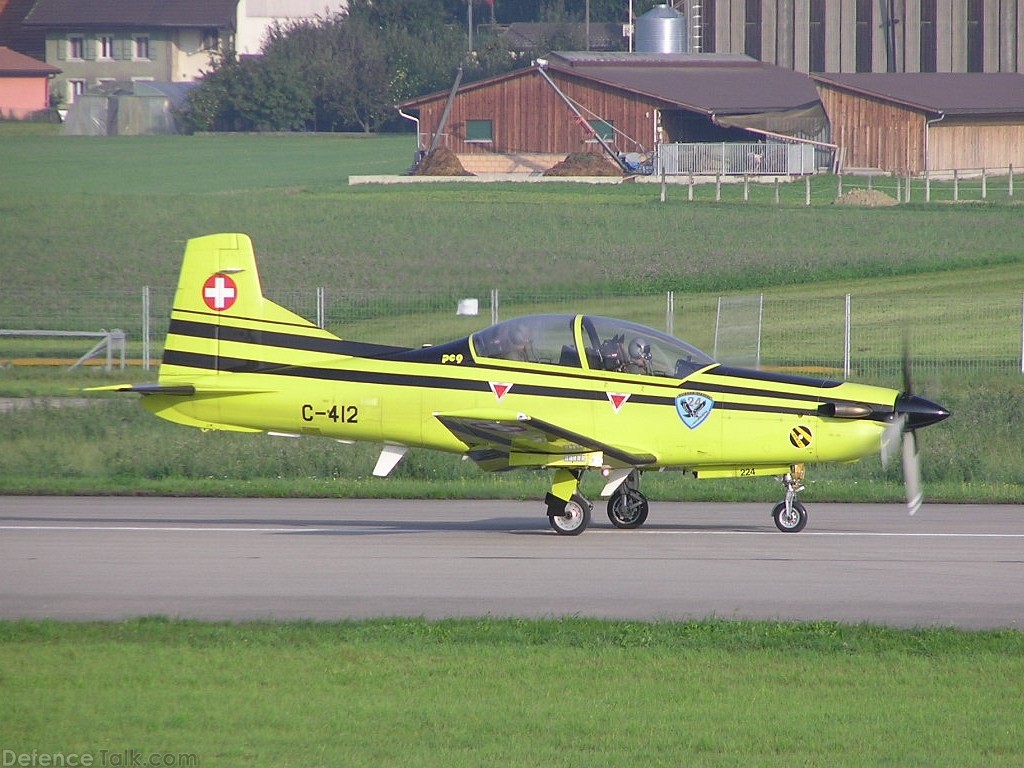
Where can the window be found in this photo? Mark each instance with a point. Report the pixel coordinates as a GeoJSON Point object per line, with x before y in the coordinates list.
{"type": "Point", "coordinates": [211, 40]}
{"type": "Point", "coordinates": [76, 47]}
{"type": "Point", "coordinates": [140, 48]}
{"type": "Point", "coordinates": [106, 47]}
{"type": "Point", "coordinates": [602, 129]}
{"type": "Point", "coordinates": [975, 35]}
{"type": "Point", "coordinates": [929, 54]}
{"type": "Point", "coordinates": [75, 89]}
{"type": "Point", "coordinates": [545, 339]}
{"type": "Point", "coordinates": [864, 30]}
{"type": "Point", "coordinates": [619, 345]}
{"type": "Point", "coordinates": [752, 29]}
{"type": "Point", "coordinates": [480, 130]}
{"type": "Point", "coordinates": [816, 35]}
{"type": "Point", "coordinates": [707, 26]}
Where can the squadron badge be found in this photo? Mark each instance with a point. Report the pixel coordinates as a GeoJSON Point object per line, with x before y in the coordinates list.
{"type": "Point", "coordinates": [694, 408]}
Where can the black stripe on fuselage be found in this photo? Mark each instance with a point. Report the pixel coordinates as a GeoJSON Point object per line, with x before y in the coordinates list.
{"type": "Point", "coordinates": [241, 365]}
{"type": "Point", "coordinates": [282, 340]}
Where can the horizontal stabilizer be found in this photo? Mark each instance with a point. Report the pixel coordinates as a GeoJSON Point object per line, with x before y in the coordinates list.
{"type": "Point", "coordinates": [180, 390]}
{"type": "Point", "coordinates": [185, 390]}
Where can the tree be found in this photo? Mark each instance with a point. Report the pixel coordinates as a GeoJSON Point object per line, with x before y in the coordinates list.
{"type": "Point", "coordinates": [340, 72]}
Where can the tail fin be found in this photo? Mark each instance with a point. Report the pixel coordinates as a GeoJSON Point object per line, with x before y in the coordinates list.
{"type": "Point", "coordinates": [219, 280]}
{"type": "Point", "coordinates": [220, 312]}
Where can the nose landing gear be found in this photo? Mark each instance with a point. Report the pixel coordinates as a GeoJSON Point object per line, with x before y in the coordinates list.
{"type": "Point", "coordinates": [790, 515]}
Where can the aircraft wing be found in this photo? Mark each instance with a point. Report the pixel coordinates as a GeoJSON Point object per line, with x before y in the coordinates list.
{"type": "Point", "coordinates": [500, 441]}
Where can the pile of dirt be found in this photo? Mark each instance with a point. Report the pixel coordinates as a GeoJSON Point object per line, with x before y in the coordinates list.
{"type": "Point", "coordinates": [584, 164]}
{"type": "Point", "coordinates": [441, 162]}
{"type": "Point", "coordinates": [867, 198]}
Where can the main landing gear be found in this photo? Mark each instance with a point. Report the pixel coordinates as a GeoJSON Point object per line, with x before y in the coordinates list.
{"type": "Point", "coordinates": [790, 515]}
{"type": "Point", "coordinates": [628, 507]}
{"type": "Point", "coordinates": [569, 511]}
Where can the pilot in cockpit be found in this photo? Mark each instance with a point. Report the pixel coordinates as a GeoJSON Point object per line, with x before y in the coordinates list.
{"type": "Point", "coordinates": [638, 358]}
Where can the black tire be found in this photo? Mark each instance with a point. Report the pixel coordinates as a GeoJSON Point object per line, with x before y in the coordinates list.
{"type": "Point", "coordinates": [628, 509]}
{"type": "Point", "coordinates": [792, 523]}
{"type": "Point", "coordinates": [573, 519]}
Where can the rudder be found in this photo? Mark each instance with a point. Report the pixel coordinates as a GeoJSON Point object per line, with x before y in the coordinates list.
{"type": "Point", "coordinates": [220, 311]}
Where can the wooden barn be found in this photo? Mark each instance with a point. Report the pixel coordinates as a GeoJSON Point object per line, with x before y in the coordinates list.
{"type": "Point", "coordinates": [913, 123]}
{"type": "Point", "coordinates": [621, 103]}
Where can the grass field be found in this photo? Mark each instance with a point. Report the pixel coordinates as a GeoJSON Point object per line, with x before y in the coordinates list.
{"type": "Point", "coordinates": [88, 221]}
{"type": "Point", "coordinates": [513, 693]}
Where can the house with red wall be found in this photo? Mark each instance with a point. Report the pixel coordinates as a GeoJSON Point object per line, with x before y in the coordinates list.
{"type": "Point", "coordinates": [24, 84]}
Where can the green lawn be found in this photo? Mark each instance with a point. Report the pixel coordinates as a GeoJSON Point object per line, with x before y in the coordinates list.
{"type": "Point", "coordinates": [514, 693]}
{"type": "Point", "coordinates": [86, 222]}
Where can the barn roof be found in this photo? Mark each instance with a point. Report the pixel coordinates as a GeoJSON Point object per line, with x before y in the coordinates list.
{"type": "Point", "coordinates": [710, 83]}
{"type": "Point", "coordinates": [959, 93]}
{"type": "Point", "coordinates": [14, 64]}
{"type": "Point", "coordinates": [147, 13]}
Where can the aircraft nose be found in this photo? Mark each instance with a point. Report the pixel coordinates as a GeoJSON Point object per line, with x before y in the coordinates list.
{"type": "Point", "coordinates": [919, 412]}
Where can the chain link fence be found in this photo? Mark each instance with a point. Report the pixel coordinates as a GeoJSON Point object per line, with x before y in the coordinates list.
{"type": "Point", "coordinates": [853, 336]}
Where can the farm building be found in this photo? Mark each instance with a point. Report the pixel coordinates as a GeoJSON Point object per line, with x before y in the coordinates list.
{"type": "Point", "coordinates": [24, 84]}
{"type": "Point", "coordinates": [628, 104]}
{"type": "Point", "coordinates": [912, 123]}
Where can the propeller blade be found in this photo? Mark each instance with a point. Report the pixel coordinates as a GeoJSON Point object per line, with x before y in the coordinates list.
{"type": "Point", "coordinates": [891, 439]}
{"type": "Point", "coordinates": [908, 386]}
{"type": "Point", "coordinates": [912, 472]}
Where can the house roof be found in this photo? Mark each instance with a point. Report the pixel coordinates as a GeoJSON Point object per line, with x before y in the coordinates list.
{"type": "Point", "coordinates": [140, 13]}
{"type": "Point", "coordinates": [711, 83]}
{"type": "Point", "coordinates": [14, 64]}
{"type": "Point", "coordinates": [971, 93]}
{"type": "Point", "coordinates": [13, 34]}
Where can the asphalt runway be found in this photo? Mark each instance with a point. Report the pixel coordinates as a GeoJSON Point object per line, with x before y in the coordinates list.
{"type": "Point", "coordinates": [83, 558]}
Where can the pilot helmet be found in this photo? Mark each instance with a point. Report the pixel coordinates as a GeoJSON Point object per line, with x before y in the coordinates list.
{"type": "Point", "coordinates": [639, 350]}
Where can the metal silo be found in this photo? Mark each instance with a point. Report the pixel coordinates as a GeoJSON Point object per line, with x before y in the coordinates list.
{"type": "Point", "coordinates": [662, 30]}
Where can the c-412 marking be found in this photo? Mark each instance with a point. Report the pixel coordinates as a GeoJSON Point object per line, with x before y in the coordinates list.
{"type": "Point", "coordinates": [347, 414]}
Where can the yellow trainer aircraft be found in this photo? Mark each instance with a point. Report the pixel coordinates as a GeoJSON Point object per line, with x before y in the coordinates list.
{"type": "Point", "coordinates": [565, 392]}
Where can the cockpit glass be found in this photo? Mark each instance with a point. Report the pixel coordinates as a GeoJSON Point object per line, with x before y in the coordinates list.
{"type": "Point", "coordinates": [619, 345]}
{"type": "Point", "coordinates": [535, 339]}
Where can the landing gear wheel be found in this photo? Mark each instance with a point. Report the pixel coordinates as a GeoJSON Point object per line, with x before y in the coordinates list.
{"type": "Point", "coordinates": [628, 508]}
{"type": "Point", "coordinates": [792, 521]}
{"type": "Point", "coordinates": [573, 519]}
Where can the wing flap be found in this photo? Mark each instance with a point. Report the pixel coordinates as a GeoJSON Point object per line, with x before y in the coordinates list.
{"type": "Point", "coordinates": [500, 440]}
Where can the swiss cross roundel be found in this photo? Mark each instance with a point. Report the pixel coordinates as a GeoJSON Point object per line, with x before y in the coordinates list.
{"type": "Point", "coordinates": [219, 292]}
